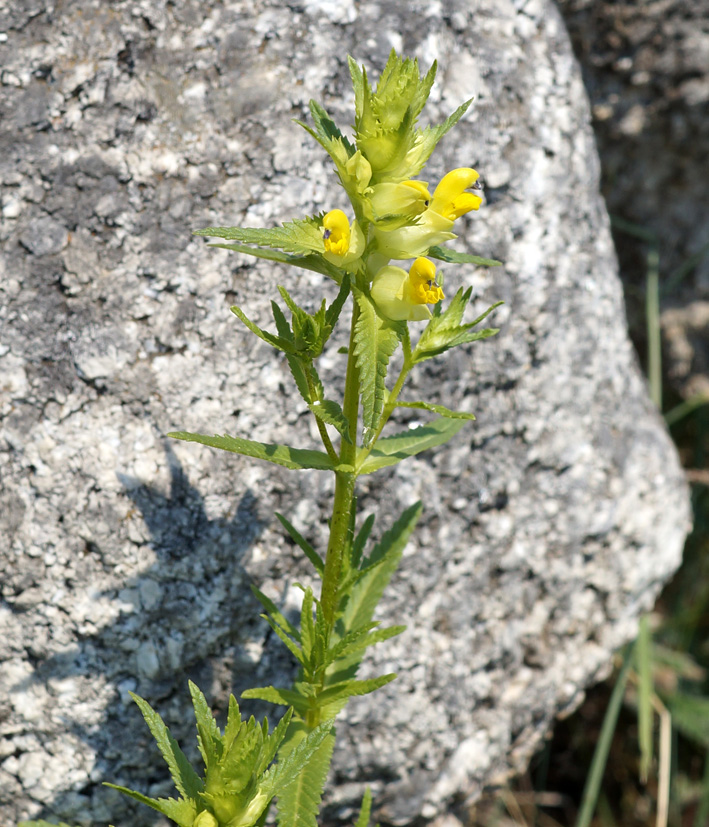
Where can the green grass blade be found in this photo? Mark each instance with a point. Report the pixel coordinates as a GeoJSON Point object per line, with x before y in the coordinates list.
{"type": "Point", "coordinates": [652, 320]}
{"type": "Point", "coordinates": [600, 756]}
{"type": "Point", "coordinates": [643, 658]}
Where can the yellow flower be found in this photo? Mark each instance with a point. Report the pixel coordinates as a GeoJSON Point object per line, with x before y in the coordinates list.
{"type": "Point", "coordinates": [450, 198]}
{"type": "Point", "coordinates": [450, 201]}
{"type": "Point", "coordinates": [344, 242]}
{"type": "Point", "coordinates": [403, 296]}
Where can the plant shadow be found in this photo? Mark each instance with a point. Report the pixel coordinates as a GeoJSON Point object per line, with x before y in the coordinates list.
{"type": "Point", "coordinates": [190, 615]}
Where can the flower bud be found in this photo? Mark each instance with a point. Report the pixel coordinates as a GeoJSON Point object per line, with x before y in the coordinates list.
{"type": "Point", "coordinates": [344, 242]}
{"type": "Point", "coordinates": [402, 296]}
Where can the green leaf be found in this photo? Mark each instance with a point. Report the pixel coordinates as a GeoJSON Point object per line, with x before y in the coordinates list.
{"type": "Point", "coordinates": [293, 458]}
{"type": "Point", "coordinates": [307, 549]}
{"type": "Point", "coordinates": [312, 262]}
{"type": "Point", "coordinates": [375, 342]}
{"type": "Point", "coordinates": [275, 341]}
{"type": "Point", "coordinates": [334, 310]}
{"type": "Point", "coordinates": [307, 625]}
{"type": "Point", "coordinates": [690, 715]}
{"type": "Point", "coordinates": [292, 759]}
{"type": "Point", "coordinates": [186, 780]}
{"type": "Point", "coordinates": [276, 695]}
{"type": "Point", "coordinates": [444, 331]}
{"type": "Point", "coordinates": [350, 689]}
{"type": "Point", "coordinates": [357, 641]}
{"type": "Point", "coordinates": [367, 591]}
{"type": "Point", "coordinates": [208, 735]}
{"type": "Point", "coordinates": [273, 742]}
{"type": "Point", "coordinates": [439, 409]}
{"type": "Point", "coordinates": [274, 612]}
{"type": "Point", "coordinates": [299, 801]}
{"type": "Point", "coordinates": [454, 257]}
{"type": "Point", "coordinates": [182, 812]}
{"type": "Point", "coordinates": [361, 540]}
{"type": "Point", "coordinates": [365, 810]}
{"type": "Point", "coordinates": [292, 647]}
{"type": "Point", "coordinates": [330, 412]}
{"type": "Point", "coordinates": [393, 449]}
{"type": "Point", "coordinates": [302, 236]}
{"type": "Point", "coordinates": [42, 823]}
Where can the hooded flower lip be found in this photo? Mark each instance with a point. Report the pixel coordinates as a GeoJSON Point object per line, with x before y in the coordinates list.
{"type": "Point", "coordinates": [450, 198]}
{"type": "Point", "coordinates": [402, 296]}
{"type": "Point", "coordinates": [450, 201]}
{"type": "Point", "coordinates": [344, 242]}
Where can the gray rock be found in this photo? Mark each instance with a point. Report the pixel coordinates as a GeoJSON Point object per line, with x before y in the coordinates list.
{"type": "Point", "coordinates": [550, 523]}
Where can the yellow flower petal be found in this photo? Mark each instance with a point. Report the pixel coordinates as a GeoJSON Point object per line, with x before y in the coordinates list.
{"type": "Point", "coordinates": [450, 198]}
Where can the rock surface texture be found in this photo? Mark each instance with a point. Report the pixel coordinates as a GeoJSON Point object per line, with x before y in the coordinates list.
{"type": "Point", "coordinates": [549, 524]}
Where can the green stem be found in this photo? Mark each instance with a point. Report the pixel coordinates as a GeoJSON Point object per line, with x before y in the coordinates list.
{"type": "Point", "coordinates": [321, 425]}
{"type": "Point", "coordinates": [344, 489]}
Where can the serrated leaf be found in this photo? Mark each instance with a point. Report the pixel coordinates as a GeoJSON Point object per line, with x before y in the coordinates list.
{"type": "Point", "coordinates": [186, 780]}
{"type": "Point", "coordinates": [307, 626]}
{"type": "Point", "coordinates": [365, 810]}
{"type": "Point", "coordinates": [275, 341]}
{"type": "Point", "coordinates": [292, 647]}
{"type": "Point", "coordinates": [293, 458]}
{"type": "Point", "coordinates": [181, 811]}
{"type": "Point", "coordinates": [393, 449]}
{"type": "Point", "coordinates": [428, 138]}
{"type": "Point", "coordinates": [330, 412]}
{"type": "Point", "coordinates": [374, 343]}
{"type": "Point", "coordinates": [444, 331]}
{"type": "Point", "coordinates": [272, 742]}
{"type": "Point", "coordinates": [361, 540]}
{"type": "Point", "coordinates": [294, 759]}
{"type": "Point", "coordinates": [367, 591]}
{"type": "Point", "coordinates": [276, 695]}
{"type": "Point", "coordinates": [305, 546]}
{"type": "Point", "coordinates": [208, 734]}
{"type": "Point", "coordinates": [275, 613]}
{"type": "Point", "coordinates": [299, 801]}
{"type": "Point", "coordinates": [351, 688]}
{"type": "Point", "coordinates": [439, 409]}
{"type": "Point", "coordinates": [454, 257]}
{"type": "Point", "coordinates": [356, 642]}
{"type": "Point", "coordinates": [312, 262]}
{"type": "Point", "coordinates": [334, 310]}
{"type": "Point", "coordinates": [302, 236]}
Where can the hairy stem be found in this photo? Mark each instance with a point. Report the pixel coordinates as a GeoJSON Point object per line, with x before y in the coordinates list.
{"type": "Point", "coordinates": [344, 489]}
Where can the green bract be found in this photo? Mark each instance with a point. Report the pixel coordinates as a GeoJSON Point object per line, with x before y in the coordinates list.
{"type": "Point", "coordinates": [240, 778]}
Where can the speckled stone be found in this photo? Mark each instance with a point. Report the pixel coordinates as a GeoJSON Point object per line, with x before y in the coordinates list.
{"type": "Point", "coordinates": [549, 524]}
